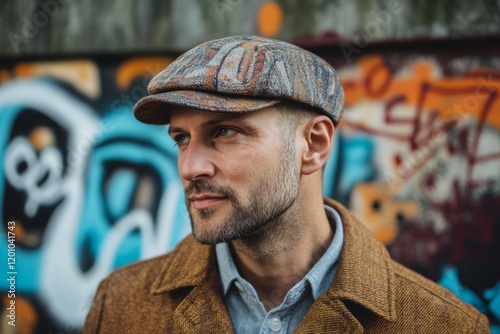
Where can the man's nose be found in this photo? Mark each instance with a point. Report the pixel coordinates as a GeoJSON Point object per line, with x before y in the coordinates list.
{"type": "Point", "coordinates": [196, 162]}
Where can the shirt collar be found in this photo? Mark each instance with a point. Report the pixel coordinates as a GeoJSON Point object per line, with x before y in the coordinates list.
{"type": "Point", "coordinates": [227, 269]}
{"type": "Point", "coordinates": [320, 275]}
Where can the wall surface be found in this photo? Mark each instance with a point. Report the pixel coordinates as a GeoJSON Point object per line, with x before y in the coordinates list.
{"type": "Point", "coordinates": [417, 158]}
{"type": "Point", "coordinates": [419, 161]}
{"type": "Point", "coordinates": [84, 188]}
{"type": "Point", "coordinates": [70, 26]}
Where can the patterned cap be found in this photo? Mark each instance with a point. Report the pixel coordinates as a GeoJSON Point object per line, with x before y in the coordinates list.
{"type": "Point", "coordinates": [241, 74]}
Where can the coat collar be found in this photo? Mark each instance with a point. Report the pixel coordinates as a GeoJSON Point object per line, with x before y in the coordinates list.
{"type": "Point", "coordinates": [192, 266]}
{"type": "Point", "coordinates": [364, 276]}
{"type": "Point", "coordinates": [189, 265]}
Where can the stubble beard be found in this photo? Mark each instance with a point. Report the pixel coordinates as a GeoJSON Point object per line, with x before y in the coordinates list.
{"type": "Point", "coordinates": [264, 208]}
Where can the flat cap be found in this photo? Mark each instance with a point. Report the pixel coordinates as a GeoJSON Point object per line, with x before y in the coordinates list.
{"type": "Point", "coordinates": [242, 74]}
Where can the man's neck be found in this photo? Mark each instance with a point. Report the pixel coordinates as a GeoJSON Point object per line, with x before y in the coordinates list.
{"type": "Point", "coordinates": [278, 257]}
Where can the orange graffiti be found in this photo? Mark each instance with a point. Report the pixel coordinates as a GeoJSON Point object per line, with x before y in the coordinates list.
{"type": "Point", "coordinates": [26, 316]}
{"type": "Point", "coordinates": [436, 105]}
{"type": "Point", "coordinates": [140, 67]}
{"type": "Point", "coordinates": [4, 76]}
{"type": "Point", "coordinates": [376, 207]}
{"type": "Point", "coordinates": [42, 137]}
{"type": "Point", "coordinates": [81, 74]}
{"type": "Point", "coordinates": [269, 19]}
{"type": "Point", "coordinates": [20, 231]}
{"type": "Point", "coordinates": [467, 94]}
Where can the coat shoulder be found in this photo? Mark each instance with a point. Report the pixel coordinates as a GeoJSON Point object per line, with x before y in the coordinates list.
{"type": "Point", "coordinates": [427, 303]}
{"type": "Point", "coordinates": [142, 274]}
{"type": "Point", "coordinates": [138, 273]}
{"type": "Point", "coordinates": [125, 302]}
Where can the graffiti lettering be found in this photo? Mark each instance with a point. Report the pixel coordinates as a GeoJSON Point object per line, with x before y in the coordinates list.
{"type": "Point", "coordinates": [40, 179]}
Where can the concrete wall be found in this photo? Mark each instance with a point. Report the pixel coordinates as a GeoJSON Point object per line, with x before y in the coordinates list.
{"type": "Point", "coordinates": [70, 26]}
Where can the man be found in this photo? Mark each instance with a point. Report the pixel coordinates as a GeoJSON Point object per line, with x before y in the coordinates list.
{"type": "Point", "coordinates": [254, 120]}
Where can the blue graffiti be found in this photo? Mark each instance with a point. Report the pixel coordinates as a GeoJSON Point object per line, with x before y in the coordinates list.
{"type": "Point", "coordinates": [352, 158]}
{"type": "Point", "coordinates": [28, 261]}
{"type": "Point", "coordinates": [491, 297]}
{"type": "Point", "coordinates": [126, 154]}
{"type": "Point", "coordinates": [95, 194]}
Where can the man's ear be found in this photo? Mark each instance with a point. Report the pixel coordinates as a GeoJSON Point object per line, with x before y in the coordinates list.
{"type": "Point", "coordinates": [318, 133]}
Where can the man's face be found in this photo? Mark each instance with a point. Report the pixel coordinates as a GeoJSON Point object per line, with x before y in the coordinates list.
{"type": "Point", "coordinates": [239, 171]}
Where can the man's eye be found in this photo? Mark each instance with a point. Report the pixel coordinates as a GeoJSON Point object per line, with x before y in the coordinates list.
{"type": "Point", "coordinates": [180, 139]}
{"type": "Point", "coordinates": [225, 132]}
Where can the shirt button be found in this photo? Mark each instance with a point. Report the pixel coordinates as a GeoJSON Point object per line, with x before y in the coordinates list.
{"type": "Point", "coordinates": [239, 286]}
{"type": "Point", "coordinates": [275, 324]}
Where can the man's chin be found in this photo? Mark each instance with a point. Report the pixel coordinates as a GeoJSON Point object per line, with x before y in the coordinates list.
{"type": "Point", "coordinates": [205, 230]}
{"type": "Point", "coordinates": [209, 240]}
{"type": "Point", "coordinates": [212, 232]}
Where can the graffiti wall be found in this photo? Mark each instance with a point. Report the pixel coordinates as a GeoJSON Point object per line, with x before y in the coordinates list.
{"type": "Point", "coordinates": [418, 161]}
{"type": "Point", "coordinates": [84, 188]}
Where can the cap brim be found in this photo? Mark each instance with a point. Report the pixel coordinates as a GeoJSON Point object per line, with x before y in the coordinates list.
{"type": "Point", "coordinates": [155, 109]}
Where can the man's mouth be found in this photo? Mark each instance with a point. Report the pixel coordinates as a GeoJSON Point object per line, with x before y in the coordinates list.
{"type": "Point", "coordinates": [203, 201]}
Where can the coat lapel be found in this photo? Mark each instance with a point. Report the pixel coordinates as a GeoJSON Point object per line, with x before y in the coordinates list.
{"type": "Point", "coordinates": [329, 316]}
{"type": "Point", "coordinates": [203, 310]}
{"type": "Point", "coordinates": [365, 275]}
{"type": "Point", "coordinates": [364, 278]}
{"type": "Point", "coordinates": [193, 268]}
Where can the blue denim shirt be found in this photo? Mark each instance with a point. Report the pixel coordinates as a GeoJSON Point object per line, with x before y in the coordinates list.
{"type": "Point", "coordinates": [247, 312]}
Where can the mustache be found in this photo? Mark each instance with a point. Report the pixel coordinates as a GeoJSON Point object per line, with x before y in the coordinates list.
{"type": "Point", "coordinates": [198, 187]}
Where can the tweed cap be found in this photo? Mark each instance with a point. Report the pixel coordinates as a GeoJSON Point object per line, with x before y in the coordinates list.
{"type": "Point", "coordinates": [241, 74]}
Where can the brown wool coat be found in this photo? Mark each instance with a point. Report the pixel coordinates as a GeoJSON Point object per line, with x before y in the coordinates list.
{"type": "Point", "coordinates": [180, 293]}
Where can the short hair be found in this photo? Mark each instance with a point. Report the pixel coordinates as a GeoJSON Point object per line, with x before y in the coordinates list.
{"type": "Point", "coordinates": [296, 113]}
